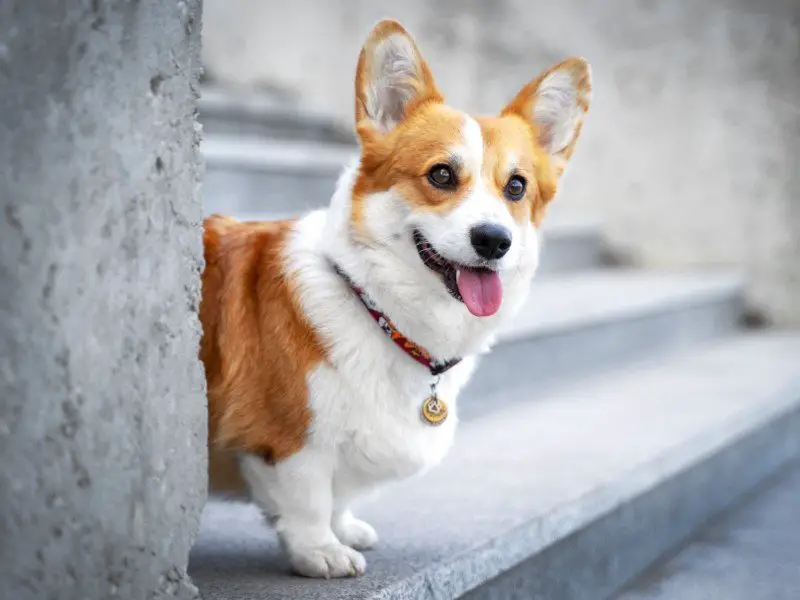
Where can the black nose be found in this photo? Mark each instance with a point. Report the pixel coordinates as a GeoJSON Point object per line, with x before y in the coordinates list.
{"type": "Point", "coordinates": [490, 241]}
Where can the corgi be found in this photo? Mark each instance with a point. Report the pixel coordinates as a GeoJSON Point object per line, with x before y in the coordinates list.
{"type": "Point", "coordinates": [335, 345]}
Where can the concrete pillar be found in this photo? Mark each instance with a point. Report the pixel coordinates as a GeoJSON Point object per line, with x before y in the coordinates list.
{"type": "Point", "coordinates": [102, 407]}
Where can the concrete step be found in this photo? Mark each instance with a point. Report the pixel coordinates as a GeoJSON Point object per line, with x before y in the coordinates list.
{"type": "Point", "coordinates": [275, 178]}
{"type": "Point", "coordinates": [751, 553]}
{"type": "Point", "coordinates": [568, 497]}
{"type": "Point", "coordinates": [571, 243]}
{"type": "Point", "coordinates": [585, 321]}
{"type": "Point", "coordinates": [257, 115]}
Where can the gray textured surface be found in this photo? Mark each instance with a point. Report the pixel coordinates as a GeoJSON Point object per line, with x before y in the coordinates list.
{"type": "Point", "coordinates": [102, 416]}
{"type": "Point", "coordinates": [753, 553]}
{"type": "Point", "coordinates": [689, 154]}
{"type": "Point", "coordinates": [255, 115]}
{"type": "Point", "coordinates": [579, 322]}
{"type": "Point", "coordinates": [277, 179]}
{"type": "Point", "coordinates": [570, 244]}
{"type": "Point", "coordinates": [661, 447]}
{"type": "Point", "coordinates": [606, 296]}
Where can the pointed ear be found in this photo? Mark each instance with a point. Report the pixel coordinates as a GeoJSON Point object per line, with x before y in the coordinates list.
{"type": "Point", "coordinates": [555, 103]}
{"type": "Point", "coordinates": [392, 78]}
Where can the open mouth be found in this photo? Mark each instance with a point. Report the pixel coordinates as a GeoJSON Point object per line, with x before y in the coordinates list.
{"type": "Point", "coordinates": [478, 287]}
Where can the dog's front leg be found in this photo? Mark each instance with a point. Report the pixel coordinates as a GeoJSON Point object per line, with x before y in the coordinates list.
{"type": "Point", "coordinates": [349, 487]}
{"type": "Point", "coordinates": [296, 495]}
{"type": "Point", "coordinates": [352, 531]}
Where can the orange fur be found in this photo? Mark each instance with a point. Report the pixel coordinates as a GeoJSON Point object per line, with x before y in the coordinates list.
{"type": "Point", "coordinates": [403, 157]}
{"type": "Point", "coordinates": [256, 347]}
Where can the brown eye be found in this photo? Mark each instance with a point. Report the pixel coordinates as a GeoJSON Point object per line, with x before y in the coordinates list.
{"type": "Point", "coordinates": [515, 188]}
{"type": "Point", "coordinates": [442, 176]}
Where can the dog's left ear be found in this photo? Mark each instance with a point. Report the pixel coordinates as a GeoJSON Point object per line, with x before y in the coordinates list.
{"type": "Point", "coordinates": [392, 79]}
{"type": "Point", "coordinates": [555, 104]}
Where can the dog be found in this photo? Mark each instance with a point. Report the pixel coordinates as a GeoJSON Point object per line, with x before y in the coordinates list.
{"type": "Point", "coordinates": [335, 345]}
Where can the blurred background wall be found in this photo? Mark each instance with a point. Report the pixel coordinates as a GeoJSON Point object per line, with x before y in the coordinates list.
{"type": "Point", "coordinates": [690, 156]}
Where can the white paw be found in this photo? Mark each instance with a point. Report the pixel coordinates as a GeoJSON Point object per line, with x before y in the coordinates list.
{"type": "Point", "coordinates": [329, 561]}
{"type": "Point", "coordinates": [355, 533]}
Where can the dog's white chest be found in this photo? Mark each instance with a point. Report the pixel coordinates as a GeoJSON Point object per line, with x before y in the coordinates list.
{"type": "Point", "coordinates": [387, 450]}
{"type": "Point", "coordinates": [377, 429]}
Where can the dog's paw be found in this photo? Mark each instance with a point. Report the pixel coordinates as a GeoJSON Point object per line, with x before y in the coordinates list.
{"type": "Point", "coordinates": [329, 561]}
{"type": "Point", "coordinates": [355, 533]}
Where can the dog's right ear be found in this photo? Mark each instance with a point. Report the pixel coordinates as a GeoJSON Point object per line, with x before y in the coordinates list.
{"type": "Point", "coordinates": [392, 79]}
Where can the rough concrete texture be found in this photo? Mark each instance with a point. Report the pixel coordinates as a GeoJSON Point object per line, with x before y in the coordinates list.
{"type": "Point", "coordinates": [689, 154]}
{"type": "Point", "coordinates": [102, 416]}
{"type": "Point", "coordinates": [752, 552]}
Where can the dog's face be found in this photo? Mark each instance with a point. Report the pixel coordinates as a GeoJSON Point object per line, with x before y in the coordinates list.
{"type": "Point", "coordinates": [458, 198]}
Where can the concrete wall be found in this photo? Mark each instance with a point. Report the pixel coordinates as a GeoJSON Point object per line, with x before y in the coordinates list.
{"type": "Point", "coordinates": [102, 410]}
{"type": "Point", "coordinates": [690, 154]}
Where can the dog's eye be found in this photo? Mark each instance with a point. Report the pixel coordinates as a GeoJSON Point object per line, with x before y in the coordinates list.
{"type": "Point", "coordinates": [442, 176]}
{"type": "Point", "coordinates": [515, 188]}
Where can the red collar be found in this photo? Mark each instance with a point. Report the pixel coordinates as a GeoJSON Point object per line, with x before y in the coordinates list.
{"type": "Point", "coordinates": [414, 350]}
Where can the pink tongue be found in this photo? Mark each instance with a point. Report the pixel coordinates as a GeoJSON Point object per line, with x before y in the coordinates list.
{"type": "Point", "coordinates": [482, 291]}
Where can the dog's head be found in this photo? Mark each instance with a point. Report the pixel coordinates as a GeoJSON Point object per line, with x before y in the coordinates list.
{"type": "Point", "coordinates": [458, 198]}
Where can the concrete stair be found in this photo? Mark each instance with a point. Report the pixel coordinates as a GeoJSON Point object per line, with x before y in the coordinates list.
{"type": "Point", "coordinates": [618, 413]}
{"type": "Point", "coordinates": [583, 321]}
{"type": "Point", "coordinates": [278, 178]}
{"type": "Point", "coordinates": [750, 553]}
{"type": "Point", "coordinates": [252, 114]}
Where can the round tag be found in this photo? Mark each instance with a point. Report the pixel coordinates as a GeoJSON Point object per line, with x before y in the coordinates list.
{"type": "Point", "coordinates": [434, 410]}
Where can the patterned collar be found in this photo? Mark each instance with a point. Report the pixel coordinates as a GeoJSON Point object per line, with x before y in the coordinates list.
{"type": "Point", "coordinates": [414, 350]}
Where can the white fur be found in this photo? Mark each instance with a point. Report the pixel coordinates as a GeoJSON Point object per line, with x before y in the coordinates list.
{"type": "Point", "coordinates": [392, 80]}
{"type": "Point", "coordinates": [366, 398]}
{"type": "Point", "coordinates": [557, 110]}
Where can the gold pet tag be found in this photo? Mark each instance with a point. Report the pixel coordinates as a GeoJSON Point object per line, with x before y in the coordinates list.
{"type": "Point", "coordinates": [434, 410]}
